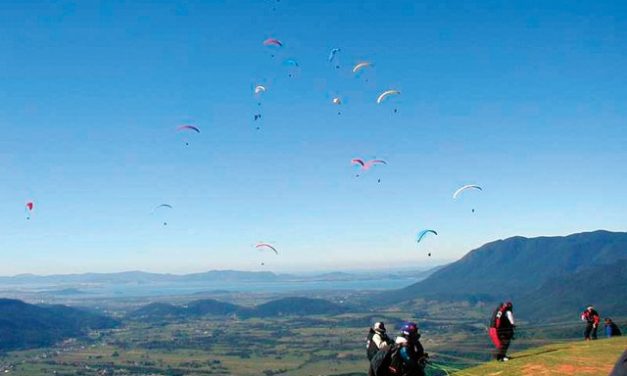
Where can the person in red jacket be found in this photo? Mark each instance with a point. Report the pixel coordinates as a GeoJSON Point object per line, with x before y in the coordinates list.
{"type": "Point", "coordinates": [592, 319]}
{"type": "Point", "coordinates": [502, 330]}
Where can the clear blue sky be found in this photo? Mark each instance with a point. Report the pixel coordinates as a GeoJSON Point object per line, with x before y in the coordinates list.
{"type": "Point", "coordinates": [527, 99]}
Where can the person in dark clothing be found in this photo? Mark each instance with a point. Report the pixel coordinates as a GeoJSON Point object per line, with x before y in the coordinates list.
{"type": "Point", "coordinates": [405, 357]}
{"type": "Point", "coordinates": [411, 351]}
{"type": "Point", "coordinates": [592, 319]}
{"type": "Point", "coordinates": [502, 330]}
{"type": "Point", "coordinates": [376, 339]}
{"type": "Point", "coordinates": [611, 329]}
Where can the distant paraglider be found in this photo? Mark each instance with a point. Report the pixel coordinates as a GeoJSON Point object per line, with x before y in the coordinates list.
{"type": "Point", "coordinates": [187, 128]}
{"type": "Point", "coordinates": [332, 56]}
{"type": "Point", "coordinates": [266, 246]}
{"type": "Point", "coordinates": [273, 43]}
{"type": "Point", "coordinates": [162, 207]}
{"type": "Point", "coordinates": [258, 90]}
{"type": "Point", "coordinates": [337, 101]}
{"type": "Point", "coordinates": [465, 188]}
{"type": "Point", "coordinates": [292, 65]}
{"type": "Point", "coordinates": [29, 209]}
{"type": "Point", "coordinates": [386, 94]}
{"type": "Point", "coordinates": [367, 165]}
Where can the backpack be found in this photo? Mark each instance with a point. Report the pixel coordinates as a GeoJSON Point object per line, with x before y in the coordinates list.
{"type": "Point", "coordinates": [371, 347]}
{"type": "Point", "coordinates": [388, 361]}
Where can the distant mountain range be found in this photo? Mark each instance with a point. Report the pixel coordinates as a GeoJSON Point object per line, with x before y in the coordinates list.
{"type": "Point", "coordinates": [139, 277]}
{"type": "Point", "coordinates": [556, 275]}
{"type": "Point", "coordinates": [290, 306]}
{"type": "Point", "coordinates": [25, 325]}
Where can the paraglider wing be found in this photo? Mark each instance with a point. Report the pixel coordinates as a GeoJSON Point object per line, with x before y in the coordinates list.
{"type": "Point", "coordinates": [164, 206]}
{"type": "Point", "coordinates": [358, 161]}
{"type": "Point", "coordinates": [272, 42]}
{"type": "Point", "coordinates": [260, 89]}
{"type": "Point", "coordinates": [373, 162]}
{"type": "Point", "coordinates": [423, 233]}
{"type": "Point", "coordinates": [386, 94]}
{"type": "Point", "coordinates": [267, 246]}
{"type": "Point", "coordinates": [464, 188]}
{"type": "Point", "coordinates": [336, 100]}
{"type": "Point", "coordinates": [291, 62]}
{"type": "Point", "coordinates": [333, 53]}
{"type": "Point", "coordinates": [188, 127]}
{"type": "Point", "coordinates": [360, 66]}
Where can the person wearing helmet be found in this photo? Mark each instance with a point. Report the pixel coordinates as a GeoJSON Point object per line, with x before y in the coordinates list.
{"type": "Point", "coordinates": [412, 354]}
{"type": "Point", "coordinates": [592, 319]}
{"type": "Point", "coordinates": [502, 330]}
{"type": "Point", "coordinates": [377, 338]}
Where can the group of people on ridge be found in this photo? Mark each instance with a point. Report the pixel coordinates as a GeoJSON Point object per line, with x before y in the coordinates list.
{"type": "Point", "coordinates": [404, 356]}
{"type": "Point", "coordinates": [593, 319]}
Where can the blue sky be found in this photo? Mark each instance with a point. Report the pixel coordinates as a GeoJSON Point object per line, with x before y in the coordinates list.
{"type": "Point", "coordinates": [527, 99]}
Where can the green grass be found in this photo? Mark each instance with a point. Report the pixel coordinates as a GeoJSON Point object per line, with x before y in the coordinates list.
{"type": "Point", "coordinates": [570, 358]}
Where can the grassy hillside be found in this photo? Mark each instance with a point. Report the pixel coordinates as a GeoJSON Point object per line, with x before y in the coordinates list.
{"type": "Point", "coordinates": [571, 358]}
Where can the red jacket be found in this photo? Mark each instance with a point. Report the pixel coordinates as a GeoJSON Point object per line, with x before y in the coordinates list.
{"type": "Point", "coordinates": [591, 317]}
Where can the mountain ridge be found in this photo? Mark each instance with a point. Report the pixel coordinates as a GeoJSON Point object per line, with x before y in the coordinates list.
{"type": "Point", "coordinates": [514, 267]}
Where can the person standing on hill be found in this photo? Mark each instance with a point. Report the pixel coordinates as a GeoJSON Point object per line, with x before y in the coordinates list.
{"type": "Point", "coordinates": [611, 329]}
{"type": "Point", "coordinates": [592, 319]}
{"type": "Point", "coordinates": [377, 338]}
{"type": "Point", "coordinates": [412, 356]}
{"type": "Point", "coordinates": [502, 330]}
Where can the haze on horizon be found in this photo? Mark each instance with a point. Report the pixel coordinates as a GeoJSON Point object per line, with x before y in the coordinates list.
{"type": "Point", "coordinates": [528, 103]}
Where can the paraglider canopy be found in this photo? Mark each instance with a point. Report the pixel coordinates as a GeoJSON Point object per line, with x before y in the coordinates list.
{"type": "Point", "coordinates": [260, 89]}
{"type": "Point", "coordinates": [272, 42]}
{"type": "Point", "coordinates": [366, 165]}
{"type": "Point", "coordinates": [333, 53]}
{"type": "Point", "coordinates": [386, 94]}
{"type": "Point", "coordinates": [266, 246]}
{"type": "Point", "coordinates": [424, 233]}
{"type": "Point", "coordinates": [465, 188]}
{"type": "Point", "coordinates": [360, 66]}
{"type": "Point", "coordinates": [187, 127]}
